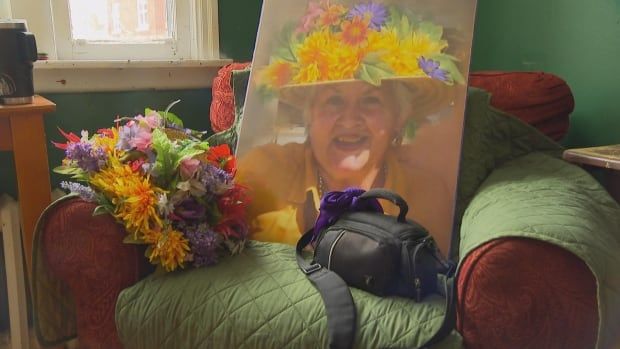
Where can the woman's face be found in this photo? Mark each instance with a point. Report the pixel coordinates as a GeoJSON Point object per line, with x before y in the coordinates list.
{"type": "Point", "coordinates": [351, 127]}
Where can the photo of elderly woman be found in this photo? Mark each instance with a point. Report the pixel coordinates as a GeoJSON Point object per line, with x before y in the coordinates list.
{"type": "Point", "coordinates": [355, 94]}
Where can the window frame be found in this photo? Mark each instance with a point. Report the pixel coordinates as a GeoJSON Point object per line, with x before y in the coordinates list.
{"type": "Point", "coordinates": [94, 75]}
{"type": "Point", "coordinates": [142, 10]}
{"type": "Point", "coordinates": [196, 22]}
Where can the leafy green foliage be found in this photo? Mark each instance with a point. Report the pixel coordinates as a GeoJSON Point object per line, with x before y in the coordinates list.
{"type": "Point", "coordinates": [169, 155]}
{"type": "Point", "coordinates": [286, 43]}
{"type": "Point", "coordinates": [434, 31]}
{"type": "Point", "coordinates": [169, 118]}
{"type": "Point", "coordinates": [75, 172]}
{"type": "Point", "coordinates": [373, 70]}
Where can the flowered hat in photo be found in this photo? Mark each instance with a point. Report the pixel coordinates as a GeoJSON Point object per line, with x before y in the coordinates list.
{"type": "Point", "coordinates": [369, 41]}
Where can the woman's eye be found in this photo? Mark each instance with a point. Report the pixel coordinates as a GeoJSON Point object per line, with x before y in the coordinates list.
{"type": "Point", "coordinates": [334, 101]}
{"type": "Point", "coordinates": [371, 102]}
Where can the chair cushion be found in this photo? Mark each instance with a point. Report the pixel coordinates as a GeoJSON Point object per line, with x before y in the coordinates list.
{"type": "Point", "coordinates": [260, 299]}
{"type": "Point", "coordinates": [540, 99]}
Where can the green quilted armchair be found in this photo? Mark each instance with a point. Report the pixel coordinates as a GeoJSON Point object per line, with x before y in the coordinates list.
{"type": "Point", "coordinates": [539, 252]}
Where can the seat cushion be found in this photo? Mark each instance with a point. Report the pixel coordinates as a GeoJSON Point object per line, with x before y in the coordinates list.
{"type": "Point", "coordinates": [261, 300]}
{"type": "Point", "coordinates": [540, 99]}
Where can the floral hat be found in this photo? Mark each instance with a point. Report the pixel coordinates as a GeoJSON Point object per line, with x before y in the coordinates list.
{"type": "Point", "coordinates": [371, 41]}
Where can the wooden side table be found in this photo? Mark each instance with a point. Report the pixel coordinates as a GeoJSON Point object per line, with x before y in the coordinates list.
{"type": "Point", "coordinates": [607, 157]}
{"type": "Point", "coordinates": [22, 132]}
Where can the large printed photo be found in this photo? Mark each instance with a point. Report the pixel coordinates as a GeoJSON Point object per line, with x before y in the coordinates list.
{"type": "Point", "coordinates": [357, 94]}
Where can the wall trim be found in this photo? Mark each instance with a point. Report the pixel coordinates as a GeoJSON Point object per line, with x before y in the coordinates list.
{"type": "Point", "coordinates": [97, 76]}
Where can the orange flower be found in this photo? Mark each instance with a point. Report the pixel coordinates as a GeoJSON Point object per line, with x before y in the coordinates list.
{"type": "Point", "coordinates": [169, 249]}
{"type": "Point", "coordinates": [278, 73]}
{"type": "Point", "coordinates": [355, 31]}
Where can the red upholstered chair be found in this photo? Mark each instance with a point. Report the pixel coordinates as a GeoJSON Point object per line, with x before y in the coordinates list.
{"type": "Point", "coordinates": [496, 282]}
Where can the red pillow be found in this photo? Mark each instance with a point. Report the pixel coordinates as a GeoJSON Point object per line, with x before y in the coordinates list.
{"type": "Point", "coordinates": [540, 99]}
{"type": "Point", "coordinates": [222, 113]}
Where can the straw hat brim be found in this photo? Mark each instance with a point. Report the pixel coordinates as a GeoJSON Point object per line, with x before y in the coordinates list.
{"type": "Point", "coordinates": [424, 96]}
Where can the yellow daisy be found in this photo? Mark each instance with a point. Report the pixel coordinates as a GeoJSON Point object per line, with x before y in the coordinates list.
{"type": "Point", "coordinates": [313, 56]}
{"type": "Point", "coordinates": [170, 249]}
{"type": "Point", "coordinates": [107, 139]}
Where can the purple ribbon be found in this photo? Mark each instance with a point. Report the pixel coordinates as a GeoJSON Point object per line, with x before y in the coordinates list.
{"type": "Point", "coordinates": [335, 203]}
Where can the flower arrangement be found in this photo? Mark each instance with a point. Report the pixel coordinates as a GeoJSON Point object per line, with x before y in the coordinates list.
{"type": "Point", "coordinates": [369, 41]}
{"type": "Point", "coordinates": [170, 189]}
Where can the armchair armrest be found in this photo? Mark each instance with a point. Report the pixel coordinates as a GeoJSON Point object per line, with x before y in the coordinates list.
{"type": "Point", "coordinates": [536, 244]}
{"type": "Point", "coordinates": [87, 254]}
{"type": "Point", "coordinates": [525, 293]}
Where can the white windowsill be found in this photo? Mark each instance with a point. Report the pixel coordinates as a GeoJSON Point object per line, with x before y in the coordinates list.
{"type": "Point", "coordinates": [94, 76]}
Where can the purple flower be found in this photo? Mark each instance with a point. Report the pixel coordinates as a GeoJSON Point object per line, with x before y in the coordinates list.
{"type": "Point", "coordinates": [216, 180]}
{"type": "Point", "coordinates": [149, 166]}
{"type": "Point", "coordinates": [190, 209]}
{"type": "Point", "coordinates": [88, 158]}
{"type": "Point", "coordinates": [335, 203]}
{"type": "Point", "coordinates": [86, 193]}
{"type": "Point", "coordinates": [432, 69]}
{"type": "Point", "coordinates": [377, 13]}
{"type": "Point", "coordinates": [204, 244]}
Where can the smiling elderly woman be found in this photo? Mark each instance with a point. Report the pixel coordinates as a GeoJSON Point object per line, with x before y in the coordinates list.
{"type": "Point", "coordinates": [354, 133]}
{"type": "Point", "coordinates": [358, 94]}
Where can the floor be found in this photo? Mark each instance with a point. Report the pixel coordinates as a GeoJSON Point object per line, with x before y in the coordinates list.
{"type": "Point", "coordinates": [5, 342]}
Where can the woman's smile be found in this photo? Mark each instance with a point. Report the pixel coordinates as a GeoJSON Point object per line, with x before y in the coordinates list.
{"type": "Point", "coordinates": [349, 150]}
{"type": "Point", "coordinates": [350, 142]}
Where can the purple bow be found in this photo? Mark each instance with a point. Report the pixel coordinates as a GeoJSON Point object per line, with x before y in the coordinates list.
{"type": "Point", "coordinates": [335, 203]}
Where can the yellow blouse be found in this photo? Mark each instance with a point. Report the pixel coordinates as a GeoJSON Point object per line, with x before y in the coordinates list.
{"type": "Point", "coordinates": [285, 201]}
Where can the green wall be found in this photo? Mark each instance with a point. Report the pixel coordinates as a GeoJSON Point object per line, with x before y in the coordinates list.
{"type": "Point", "coordinates": [238, 25]}
{"type": "Point", "coordinates": [577, 40]}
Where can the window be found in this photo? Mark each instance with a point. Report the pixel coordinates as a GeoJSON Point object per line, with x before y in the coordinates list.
{"type": "Point", "coordinates": [82, 30]}
{"type": "Point", "coordinates": [115, 16]}
{"type": "Point", "coordinates": [122, 29]}
{"type": "Point", "coordinates": [143, 15]}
